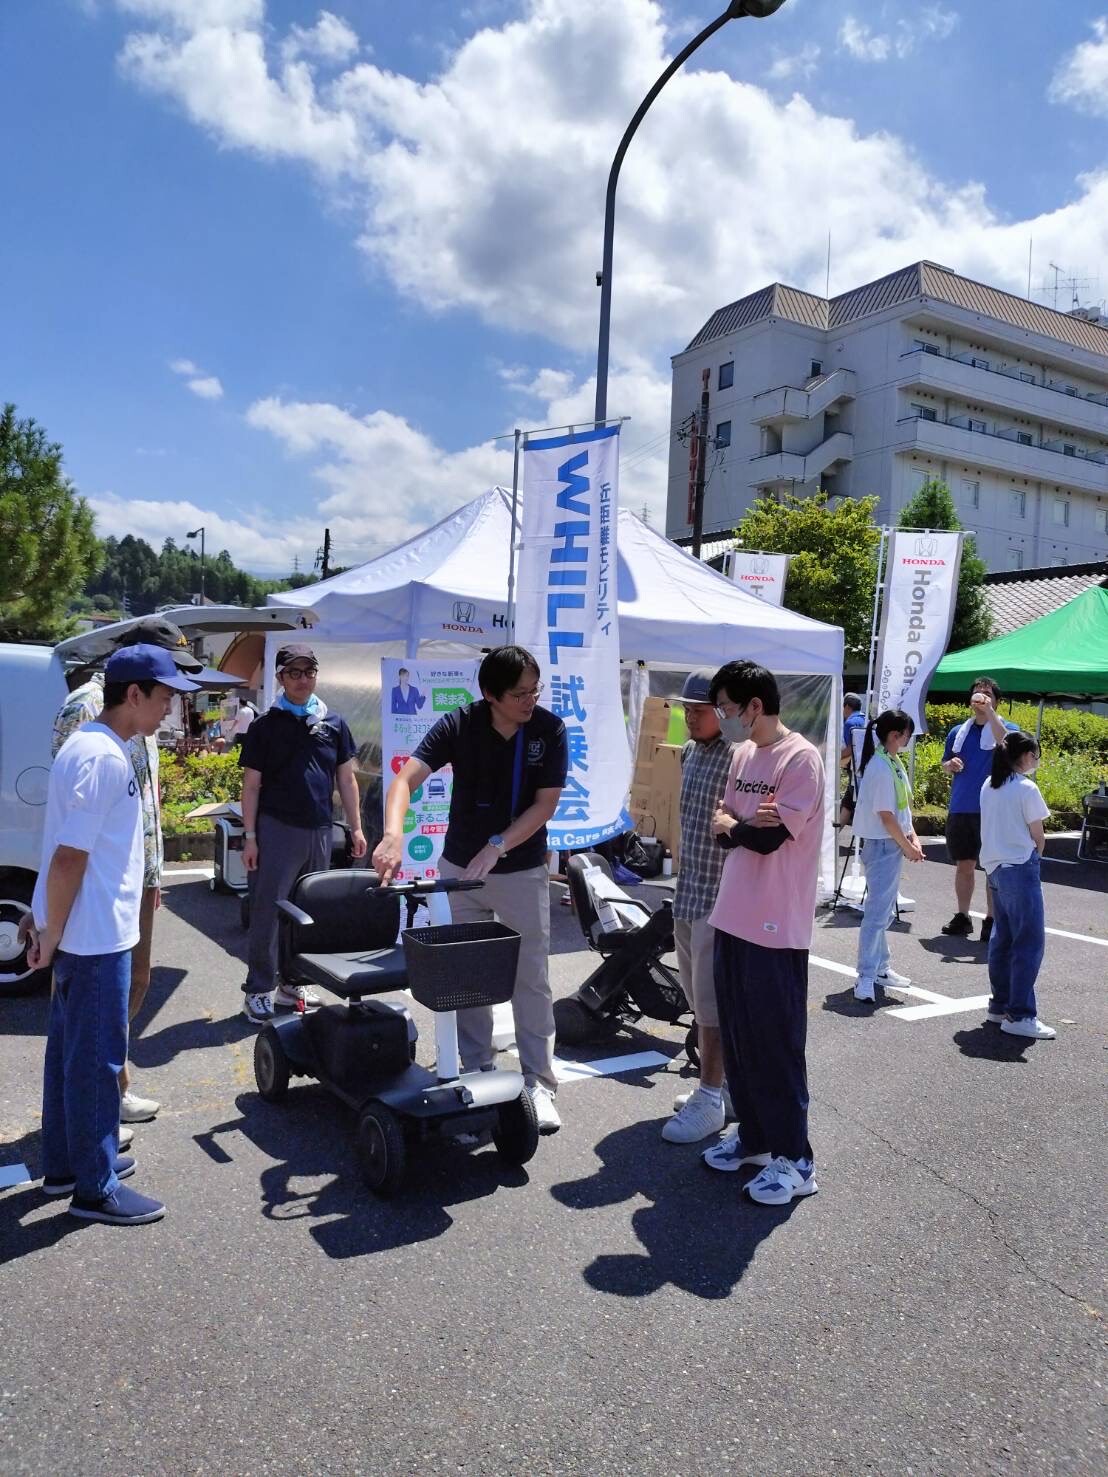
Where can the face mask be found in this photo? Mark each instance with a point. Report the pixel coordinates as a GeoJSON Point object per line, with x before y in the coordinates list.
{"type": "Point", "coordinates": [734, 730]}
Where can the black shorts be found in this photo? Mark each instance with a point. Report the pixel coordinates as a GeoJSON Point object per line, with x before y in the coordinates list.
{"type": "Point", "coordinates": [963, 837]}
{"type": "Point", "coordinates": [848, 801]}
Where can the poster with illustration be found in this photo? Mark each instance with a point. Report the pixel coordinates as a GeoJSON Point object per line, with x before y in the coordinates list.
{"type": "Point", "coordinates": [414, 696]}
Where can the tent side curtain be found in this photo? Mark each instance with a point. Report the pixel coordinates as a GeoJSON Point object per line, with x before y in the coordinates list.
{"type": "Point", "coordinates": [1063, 653]}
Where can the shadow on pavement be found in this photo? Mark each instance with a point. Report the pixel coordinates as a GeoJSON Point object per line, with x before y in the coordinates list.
{"type": "Point", "coordinates": [21, 1231]}
{"type": "Point", "coordinates": [313, 1136]}
{"type": "Point", "coordinates": [842, 1002]}
{"type": "Point", "coordinates": [699, 1233]}
{"type": "Point", "coordinates": [989, 1043]}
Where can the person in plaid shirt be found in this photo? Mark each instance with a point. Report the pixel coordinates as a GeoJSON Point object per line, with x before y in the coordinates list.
{"type": "Point", "coordinates": [705, 760]}
{"type": "Point", "coordinates": [85, 704]}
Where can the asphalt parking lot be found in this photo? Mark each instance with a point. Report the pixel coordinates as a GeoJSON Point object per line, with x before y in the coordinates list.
{"type": "Point", "coordinates": [613, 1307]}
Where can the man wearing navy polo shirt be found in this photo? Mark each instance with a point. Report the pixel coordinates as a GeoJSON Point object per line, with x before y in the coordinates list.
{"type": "Point", "coordinates": [292, 758]}
{"type": "Point", "coordinates": [509, 758]}
{"type": "Point", "coordinates": [968, 757]}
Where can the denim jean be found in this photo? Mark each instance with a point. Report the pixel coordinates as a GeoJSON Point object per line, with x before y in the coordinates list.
{"type": "Point", "coordinates": [882, 860]}
{"type": "Point", "coordinates": [86, 1046]}
{"type": "Point", "coordinates": [1018, 939]}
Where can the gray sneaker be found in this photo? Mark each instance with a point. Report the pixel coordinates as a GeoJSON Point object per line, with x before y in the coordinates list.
{"type": "Point", "coordinates": [258, 1008]}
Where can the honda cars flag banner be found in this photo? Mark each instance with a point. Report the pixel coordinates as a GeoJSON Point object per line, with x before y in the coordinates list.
{"type": "Point", "coordinates": [414, 696]}
{"type": "Point", "coordinates": [567, 616]}
{"type": "Point", "coordinates": [760, 574]}
{"type": "Point", "coordinates": [921, 586]}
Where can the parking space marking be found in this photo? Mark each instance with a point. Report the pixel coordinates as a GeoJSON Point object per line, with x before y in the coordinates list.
{"type": "Point", "coordinates": [930, 996]}
{"type": "Point", "coordinates": [609, 1066]}
{"type": "Point", "coordinates": [947, 1006]}
{"type": "Point", "coordinates": [14, 1174]}
{"type": "Point", "coordinates": [168, 876]}
{"type": "Point", "coordinates": [1064, 933]}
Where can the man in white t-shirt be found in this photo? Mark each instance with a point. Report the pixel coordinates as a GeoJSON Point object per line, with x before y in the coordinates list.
{"type": "Point", "coordinates": [85, 921]}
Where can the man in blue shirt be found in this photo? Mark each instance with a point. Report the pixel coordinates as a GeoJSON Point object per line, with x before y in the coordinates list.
{"type": "Point", "coordinates": [968, 758]}
{"type": "Point", "coordinates": [853, 720]}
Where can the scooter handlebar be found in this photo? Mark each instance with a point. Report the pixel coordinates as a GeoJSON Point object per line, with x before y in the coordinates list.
{"type": "Point", "coordinates": [422, 886]}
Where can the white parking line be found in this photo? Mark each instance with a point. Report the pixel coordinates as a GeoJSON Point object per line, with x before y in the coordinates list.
{"type": "Point", "coordinates": [609, 1067]}
{"type": "Point", "coordinates": [171, 875]}
{"type": "Point", "coordinates": [929, 995]}
{"type": "Point", "coordinates": [1063, 933]}
{"type": "Point", "coordinates": [14, 1174]}
{"type": "Point", "coordinates": [941, 1006]}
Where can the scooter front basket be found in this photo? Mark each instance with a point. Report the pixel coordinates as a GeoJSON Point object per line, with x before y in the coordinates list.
{"type": "Point", "coordinates": [459, 965]}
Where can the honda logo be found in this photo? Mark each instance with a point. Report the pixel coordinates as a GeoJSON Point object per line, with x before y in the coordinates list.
{"type": "Point", "coordinates": [926, 546]}
{"type": "Point", "coordinates": [464, 611]}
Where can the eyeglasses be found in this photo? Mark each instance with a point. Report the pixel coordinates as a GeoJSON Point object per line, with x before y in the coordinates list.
{"type": "Point", "coordinates": [528, 696]}
{"type": "Point", "coordinates": [296, 673]}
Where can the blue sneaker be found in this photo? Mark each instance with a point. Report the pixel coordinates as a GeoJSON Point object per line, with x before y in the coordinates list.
{"type": "Point", "coordinates": [122, 1208]}
{"type": "Point", "coordinates": [783, 1180]}
{"type": "Point", "coordinates": [124, 1168]}
{"type": "Point", "coordinates": [727, 1154]}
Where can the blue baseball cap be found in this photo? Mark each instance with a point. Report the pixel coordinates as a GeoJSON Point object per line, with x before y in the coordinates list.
{"type": "Point", "coordinates": [143, 663]}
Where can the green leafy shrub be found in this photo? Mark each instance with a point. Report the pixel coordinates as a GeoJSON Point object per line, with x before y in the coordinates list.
{"type": "Point", "coordinates": [197, 779]}
{"type": "Point", "coordinates": [1065, 730]}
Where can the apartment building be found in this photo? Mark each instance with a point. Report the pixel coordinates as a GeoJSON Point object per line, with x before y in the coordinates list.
{"type": "Point", "coordinates": [922, 374]}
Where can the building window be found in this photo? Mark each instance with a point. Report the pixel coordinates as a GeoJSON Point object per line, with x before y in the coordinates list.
{"type": "Point", "coordinates": [1057, 560]}
{"type": "Point", "coordinates": [971, 493]}
{"type": "Point", "coordinates": [1025, 438]}
{"type": "Point", "coordinates": [924, 412]}
{"type": "Point", "coordinates": [1062, 511]}
{"type": "Point", "coordinates": [1027, 377]}
{"type": "Point", "coordinates": [1100, 520]}
{"type": "Point", "coordinates": [980, 363]}
{"type": "Point", "coordinates": [816, 368]}
{"type": "Point", "coordinates": [1017, 506]}
{"type": "Point", "coordinates": [1015, 558]}
{"type": "Point", "coordinates": [727, 375]}
{"type": "Point", "coordinates": [1068, 448]}
{"type": "Point", "coordinates": [723, 434]}
{"type": "Point", "coordinates": [925, 347]}
{"type": "Point", "coordinates": [977, 425]}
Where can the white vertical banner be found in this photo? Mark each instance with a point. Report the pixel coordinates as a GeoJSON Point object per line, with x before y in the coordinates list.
{"type": "Point", "coordinates": [414, 696]}
{"type": "Point", "coordinates": [567, 614]}
{"type": "Point", "coordinates": [760, 574]}
{"type": "Point", "coordinates": [921, 587]}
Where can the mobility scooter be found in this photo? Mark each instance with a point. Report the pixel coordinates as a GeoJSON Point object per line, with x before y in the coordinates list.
{"type": "Point", "coordinates": [339, 931]}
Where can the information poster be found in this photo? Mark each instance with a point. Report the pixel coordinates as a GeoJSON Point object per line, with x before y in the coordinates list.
{"type": "Point", "coordinates": [414, 696]}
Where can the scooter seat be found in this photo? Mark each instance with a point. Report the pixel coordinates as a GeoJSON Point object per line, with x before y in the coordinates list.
{"type": "Point", "coordinates": [359, 972]}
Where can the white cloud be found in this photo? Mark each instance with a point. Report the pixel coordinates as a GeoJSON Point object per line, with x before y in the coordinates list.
{"type": "Point", "coordinates": [197, 15]}
{"type": "Point", "coordinates": [183, 366]}
{"type": "Point", "coordinates": [928, 23]}
{"type": "Point", "coordinates": [1082, 77]}
{"type": "Point", "coordinates": [207, 387]}
{"type": "Point", "coordinates": [330, 38]}
{"type": "Point", "coordinates": [789, 65]}
{"type": "Point", "coordinates": [255, 539]}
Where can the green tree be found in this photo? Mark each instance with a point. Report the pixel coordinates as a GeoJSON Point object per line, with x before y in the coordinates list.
{"type": "Point", "coordinates": [48, 548]}
{"type": "Point", "coordinates": [933, 507]}
{"type": "Point", "coordinates": [834, 565]}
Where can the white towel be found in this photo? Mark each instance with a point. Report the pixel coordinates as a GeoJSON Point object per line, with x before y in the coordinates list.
{"type": "Point", "coordinates": [988, 737]}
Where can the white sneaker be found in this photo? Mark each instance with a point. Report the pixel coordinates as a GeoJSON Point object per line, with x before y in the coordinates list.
{"type": "Point", "coordinates": [727, 1154]}
{"type": "Point", "coordinates": [1033, 1028]}
{"type": "Point", "coordinates": [728, 1106]}
{"type": "Point", "coordinates": [258, 1008]}
{"type": "Point", "coordinates": [889, 977]}
{"type": "Point", "coordinates": [125, 1137]}
{"type": "Point", "coordinates": [695, 1120]}
{"type": "Point", "coordinates": [783, 1180]}
{"type": "Point", "coordinates": [296, 997]}
{"type": "Point", "coordinates": [135, 1109]}
{"type": "Point", "coordinates": [545, 1111]}
{"type": "Point", "coordinates": [863, 990]}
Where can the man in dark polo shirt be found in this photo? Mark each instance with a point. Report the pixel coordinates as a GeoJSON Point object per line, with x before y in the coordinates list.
{"type": "Point", "coordinates": [292, 758]}
{"type": "Point", "coordinates": [509, 758]}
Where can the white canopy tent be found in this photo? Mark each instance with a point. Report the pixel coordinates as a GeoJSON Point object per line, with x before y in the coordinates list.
{"type": "Point", "coordinates": [449, 585]}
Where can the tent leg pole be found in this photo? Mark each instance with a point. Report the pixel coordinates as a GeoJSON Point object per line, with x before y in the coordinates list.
{"type": "Point", "coordinates": [510, 623]}
{"type": "Point", "coordinates": [1039, 720]}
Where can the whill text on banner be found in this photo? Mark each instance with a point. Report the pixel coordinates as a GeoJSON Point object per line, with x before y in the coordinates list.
{"type": "Point", "coordinates": [414, 696]}
{"type": "Point", "coordinates": [567, 616]}
{"type": "Point", "coordinates": [921, 586]}
{"type": "Point", "coordinates": [760, 574]}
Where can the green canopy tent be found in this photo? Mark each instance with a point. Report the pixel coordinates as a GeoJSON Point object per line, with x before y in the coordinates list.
{"type": "Point", "coordinates": [1063, 654]}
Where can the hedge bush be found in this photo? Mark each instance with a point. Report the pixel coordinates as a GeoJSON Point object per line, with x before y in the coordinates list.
{"type": "Point", "coordinates": [197, 779]}
{"type": "Point", "coordinates": [1065, 730]}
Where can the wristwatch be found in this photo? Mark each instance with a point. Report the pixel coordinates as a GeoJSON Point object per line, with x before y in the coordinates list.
{"type": "Point", "coordinates": [498, 843]}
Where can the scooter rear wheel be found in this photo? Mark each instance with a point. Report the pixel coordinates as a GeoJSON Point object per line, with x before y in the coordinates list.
{"type": "Point", "coordinates": [271, 1065]}
{"type": "Point", "coordinates": [381, 1152]}
{"type": "Point", "coordinates": [576, 1026]}
{"type": "Point", "coordinates": [516, 1134]}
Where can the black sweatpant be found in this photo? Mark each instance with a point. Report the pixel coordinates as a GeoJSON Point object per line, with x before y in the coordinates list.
{"type": "Point", "coordinates": [762, 996]}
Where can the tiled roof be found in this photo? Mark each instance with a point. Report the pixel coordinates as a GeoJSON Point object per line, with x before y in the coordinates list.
{"type": "Point", "coordinates": [1019, 596]}
{"type": "Point", "coordinates": [920, 281]}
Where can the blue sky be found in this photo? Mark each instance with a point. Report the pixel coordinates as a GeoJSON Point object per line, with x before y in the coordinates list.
{"type": "Point", "coordinates": [367, 244]}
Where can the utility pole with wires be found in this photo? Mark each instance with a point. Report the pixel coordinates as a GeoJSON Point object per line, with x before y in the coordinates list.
{"type": "Point", "coordinates": [695, 430]}
{"type": "Point", "coordinates": [323, 556]}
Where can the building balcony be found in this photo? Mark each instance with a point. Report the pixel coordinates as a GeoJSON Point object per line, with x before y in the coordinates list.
{"type": "Point", "coordinates": [1003, 452]}
{"type": "Point", "coordinates": [975, 379]}
{"type": "Point", "coordinates": [790, 403]}
{"type": "Point", "coordinates": [789, 467]}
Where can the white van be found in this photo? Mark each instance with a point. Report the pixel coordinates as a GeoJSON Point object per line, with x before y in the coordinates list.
{"type": "Point", "coordinates": [32, 688]}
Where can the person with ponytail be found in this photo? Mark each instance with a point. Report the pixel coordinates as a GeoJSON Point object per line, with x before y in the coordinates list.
{"type": "Point", "coordinates": [883, 822]}
{"type": "Point", "coordinates": [1012, 841]}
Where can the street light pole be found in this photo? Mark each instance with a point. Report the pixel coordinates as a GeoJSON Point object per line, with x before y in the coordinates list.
{"type": "Point", "coordinates": [759, 9]}
{"type": "Point", "coordinates": [193, 534]}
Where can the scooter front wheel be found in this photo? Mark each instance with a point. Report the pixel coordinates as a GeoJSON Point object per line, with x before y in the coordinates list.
{"type": "Point", "coordinates": [516, 1134]}
{"type": "Point", "coordinates": [381, 1151]}
{"type": "Point", "coordinates": [271, 1065]}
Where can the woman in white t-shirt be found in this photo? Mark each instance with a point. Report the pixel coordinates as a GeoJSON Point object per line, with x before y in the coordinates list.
{"type": "Point", "coordinates": [1012, 841]}
{"type": "Point", "coordinates": [883, 822]}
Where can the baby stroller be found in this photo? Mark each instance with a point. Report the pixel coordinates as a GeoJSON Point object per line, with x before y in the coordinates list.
{"type": "Point", "coordinates": [631, 982]}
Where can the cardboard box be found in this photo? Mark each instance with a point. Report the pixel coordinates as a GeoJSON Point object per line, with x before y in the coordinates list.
{"type": "Point", "coordinates": [210, 811]}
